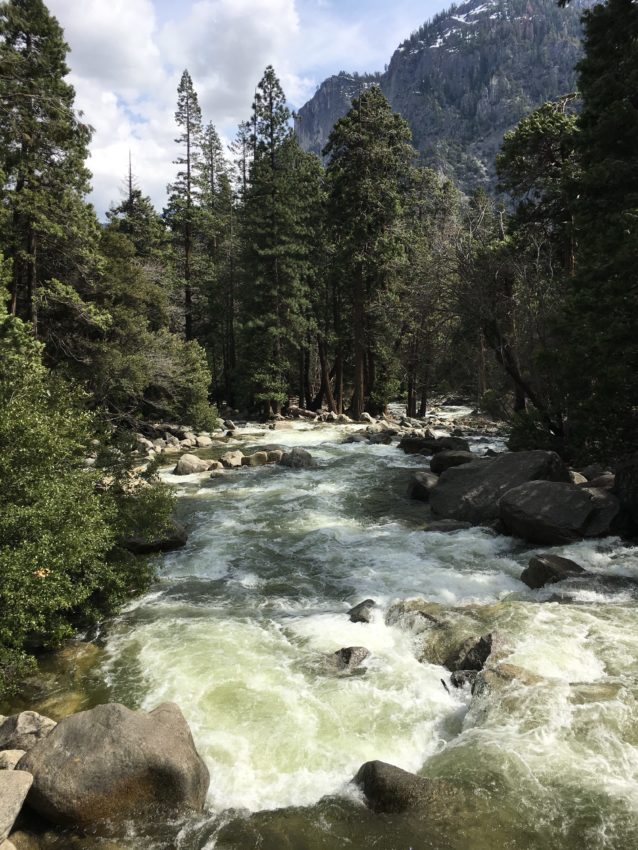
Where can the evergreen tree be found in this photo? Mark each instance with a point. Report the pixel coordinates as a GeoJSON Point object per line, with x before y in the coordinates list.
{"type": "Point", "coordinates": [276, 272]}
{"type": "Point", "coordinates": [602, 386]}
{"type": "Point", "coordinates": [370, 158]}
{"type": "Point", "coordinates": [182, 210]}
{"type": "Point", "coordinates": [51, 234]}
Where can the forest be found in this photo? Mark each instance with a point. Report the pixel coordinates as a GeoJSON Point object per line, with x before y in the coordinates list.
{"type": "Point", "coordinates": [274, 277]}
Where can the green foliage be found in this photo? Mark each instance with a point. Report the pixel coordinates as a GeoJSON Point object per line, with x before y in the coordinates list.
{"type": "Point", "coordinates": [281, 205]}
{"type": "Point", "coordinates": [600, 325]}
{"type": "Point", "coordinates": [369, 159]}
{"type": "Point", "coordinates": [57, 529]}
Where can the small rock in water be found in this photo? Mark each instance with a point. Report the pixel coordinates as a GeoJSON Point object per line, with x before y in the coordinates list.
{"type": "Point", "coordinates": [275, 456]}
{"type": "Point", "coordinates": [472, 654]}
{"type": "Point", "coordinates": [190, 464]}
{"type": "Point", "coordinates": [230, 425]}
{"type": "Point", "coordinates": [350, 657]}
{"type": "Point", "coordinates": [422, 485]}
{"type": "Point", "coordinates": [297, 459]}
{"type": "Point", "coordinates": [256, 459]}
{"type": "Point", "coordinates": [390, 789]}
{"type": "Point", "coordinates": [232, 460]}
{"type": "Point", "coordinates": [362, 613]}
{"type": "Point", "coordinates": [549, 569]}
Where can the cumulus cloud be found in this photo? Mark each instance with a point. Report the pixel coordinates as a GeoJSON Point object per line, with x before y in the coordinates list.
{"type": "Point", "coordinates": [127, 57]}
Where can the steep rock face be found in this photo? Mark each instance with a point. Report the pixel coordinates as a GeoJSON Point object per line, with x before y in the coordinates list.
{"type": "Point", "coordinates": [462, 80]}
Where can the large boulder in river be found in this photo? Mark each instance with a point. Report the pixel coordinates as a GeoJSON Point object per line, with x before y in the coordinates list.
{"type": "Point", "coordinates": [472, 654]}
{"type": "Point", "coordinates": [232, 460]}
{"type": "Point", "coordinates": [422, 485]}
{"type": "Point", "coordinates": [190, 464]}
{"type": "Point", "coordinates": [111, 762]}
{"type": "Point", "coordinates": [14, 787]}
{"type": "Point", "coordinates": [552, 513]}
{"type": "Point", "coordinates": [24, 730]}
{"type": "Point", "coordinates": [349, 658]}
{"type": "Point", "coordinates": [447, 459]}
{"type": "Point", "coordinates": [390, 789]}
{"type": "Point", "coordinates": [549, 569]}
{"type": "Point", "coordinates": [297, 459]}
{"type": "Point", "coordinates": [472, 492]}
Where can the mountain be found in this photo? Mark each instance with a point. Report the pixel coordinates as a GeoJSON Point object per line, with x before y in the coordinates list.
{"type": "Point", "coordinates": [462, 80]}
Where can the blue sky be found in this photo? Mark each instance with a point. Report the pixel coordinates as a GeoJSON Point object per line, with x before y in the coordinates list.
{"type": "Point", "coordinates": [127, 56]}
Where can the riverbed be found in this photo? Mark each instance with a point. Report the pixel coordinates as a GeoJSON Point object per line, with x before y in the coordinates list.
{"type": "Point", "coordinates": [238, 627]}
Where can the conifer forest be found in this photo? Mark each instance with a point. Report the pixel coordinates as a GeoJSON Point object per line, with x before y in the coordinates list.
{"type": "Point", "coordinates": [381, 348]}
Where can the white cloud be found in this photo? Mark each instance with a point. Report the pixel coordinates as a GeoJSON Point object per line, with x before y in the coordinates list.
{"type": "Point", "coordinates": [127, 57]}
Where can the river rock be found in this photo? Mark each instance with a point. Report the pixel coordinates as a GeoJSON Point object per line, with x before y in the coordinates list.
{"type": "Point", "coordinates": [190, 464]}
{"type": "Point", "coordinates": [495, 679]}
{"type": "Point", "coordinates": [594, 470]}
{"type": "Point", "coordinates": [553, 513]}
{"type": "Point", "coordinates": [111, 762]}
{"type": "Point", "coordinates": [229, 425]}
{"type": "Point", "coordinates": [471, 655]}
{"type": "Point", "coordinates": [297, 459]}
{"type": "Point", "coordinates": [606, 481]}
{"type": "Point", "coordinates": [472, 492]}
{"type": "Point", "coordinates": [174, 537]}
{"type": "Point", "coordinates": [23, 731]}
{"type": "Point", "coordinates": [577, 478]}
{"type": "Point", "coordinates": [392, 790]}
{"type": "Point", "coordinates": [23, 840]}
{"type": "Point", "coordinates": [14, 787]}
{"type": "Point", "coordinates": [365, 417]}
{"type": "Point", "coordinates": [232, 460]}
{"type": "Point", "coordinates": [460, 678]}
{"type": "Point", "coordinates": [349, 658]}
{"type": "Point", "coordinates": [356, 438]}
{"type": "Point", "coordinates": [281, 426]}
{"type": "Point", "coordinates": [447, 459]}
{"type": "Point", "coordinates": [256, 459]}
{"type": "Point", "coordinates": [383, 438]}
{"type": "Point", "coordinates": [204, 442]}
{"type": "Point", "coordinates": [362, 613]}
{"type": "Point", "coordinates": [9, 759]}
{"type": "Point", "coordinates": [275, 456]}
{"type": "Point", "coordinates": [422, 485]}
{"type": "Point", "coordinates": [430, 445]}
{"type": "Point", "coordinates": [549, 569]}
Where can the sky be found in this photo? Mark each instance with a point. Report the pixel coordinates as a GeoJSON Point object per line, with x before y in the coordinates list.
{"type": "Point", "coordinates": [127, 57]}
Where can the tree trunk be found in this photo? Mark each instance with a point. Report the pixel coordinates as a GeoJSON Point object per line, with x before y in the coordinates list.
{"type": "Point", "coordinates": [358, 320]}
{"type": "Point", "coordinates": [325, 378]}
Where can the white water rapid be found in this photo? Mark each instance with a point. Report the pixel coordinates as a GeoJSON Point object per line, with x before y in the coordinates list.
{"type": "Point", "coordinates": [238, 628]}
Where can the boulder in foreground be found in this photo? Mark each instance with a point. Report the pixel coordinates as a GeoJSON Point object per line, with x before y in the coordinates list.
{"type": "Point", "coordinates": [447, 459]}
{"type": "Point", "coordinates": [552, 513]}
{"type": "Point", "coordinates": [362, 613]}
{"type": "Point", "coordinates": [190, 464]}
{"type": "Point", "coordinates": [549, 569]}
{"type": "Point", "coordinates": [422, 485]}
{"type": "Point", "coordinates": [472, 492]}
{"type": "Point", "coordinates": [14, 786]}
{"type": "Point", "coordinates": [111, 762]}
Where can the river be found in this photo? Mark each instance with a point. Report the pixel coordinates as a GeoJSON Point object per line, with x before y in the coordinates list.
{"type": "Point", "coordinates": [238, 627]}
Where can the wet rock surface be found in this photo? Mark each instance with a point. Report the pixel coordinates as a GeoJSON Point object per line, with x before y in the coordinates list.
{"type": "Point", "coordinates": [111, 762]}
{"type": "Point", "coordinates": [549, 569]}
{"type": "Point", "coordinates": [472, 492]}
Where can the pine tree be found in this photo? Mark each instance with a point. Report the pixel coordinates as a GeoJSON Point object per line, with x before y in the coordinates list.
{"type": "Point", "coordinates": [276, 273]}
{"type": "Point", "coordinates": [182, 211]}
{"type": "Point", "coordinates": [602, 389]}
{"type": "Point", "coordinates": [370, 158]}
{"type": "Point", "coordinates": [51, 233]}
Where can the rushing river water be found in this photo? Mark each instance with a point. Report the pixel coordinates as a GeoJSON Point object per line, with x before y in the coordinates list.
{"type": "Point", "coordinates": [238, 628]}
